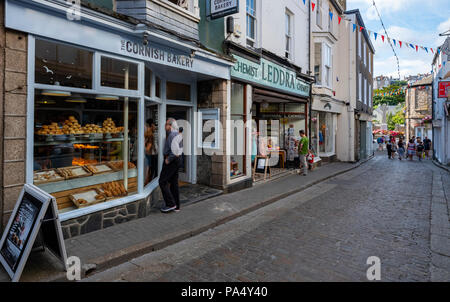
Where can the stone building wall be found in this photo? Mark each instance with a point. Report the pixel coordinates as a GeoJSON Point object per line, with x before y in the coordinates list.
{"type": "Point", "coordinates": [13, 115]}
{"type": "Point", "coordinates": [212, 170]}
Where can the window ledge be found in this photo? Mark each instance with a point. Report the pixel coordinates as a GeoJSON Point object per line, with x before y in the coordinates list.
{"type": "Point", "coordinates": [179, 10]}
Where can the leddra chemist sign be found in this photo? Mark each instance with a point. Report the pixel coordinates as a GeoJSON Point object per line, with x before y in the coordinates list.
{"type": "Point", "coordinates": [269, 74]}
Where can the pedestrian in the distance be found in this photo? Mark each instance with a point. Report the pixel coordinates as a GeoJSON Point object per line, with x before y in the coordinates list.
{"type": "Point", "coordinates": [389, 148]}
{"type": "Point", "coordinates": [393, 148]}
{"type": "Point", "coordinates": [380, 143]}
{"type": "Point", "coordinates": [411, 149]}
{"type": "Point", "coordinates": [401, 149]}
{"type": "Point", "coordinates": [303, 148]}
{"type": "Point", "coordinates": [168, 180]}
{"type": "Point", "coordinates": [427, 145]}
{"type": "Point", "coordinates": [420, 148]}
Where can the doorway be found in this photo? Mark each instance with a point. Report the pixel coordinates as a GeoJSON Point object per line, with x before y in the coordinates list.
{"type": "Point", "coordinates": [182, 114]}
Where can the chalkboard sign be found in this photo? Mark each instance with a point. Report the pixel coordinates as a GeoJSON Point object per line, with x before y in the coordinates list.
{"type": "Point", "coordinates": [35, 212]}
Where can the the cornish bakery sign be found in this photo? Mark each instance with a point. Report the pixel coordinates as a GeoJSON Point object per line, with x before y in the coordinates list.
{"type": "Point", "coordinates": [269, 74]}
{"type": "Point", "coordinates": [156, 54]}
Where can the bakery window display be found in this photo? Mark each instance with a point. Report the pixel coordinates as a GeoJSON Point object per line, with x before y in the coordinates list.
{"type": "Point", "coordinates": [76, 142]}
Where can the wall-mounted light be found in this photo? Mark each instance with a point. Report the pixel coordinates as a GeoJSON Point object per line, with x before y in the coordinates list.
{"type": "Point", "coordinates": [192, 53]}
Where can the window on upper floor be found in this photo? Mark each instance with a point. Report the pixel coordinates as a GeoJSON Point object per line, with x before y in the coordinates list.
{"type": "Point", "coordinates": [330, 21]}
{"type": "Point", "coordinates": [289, 38]}
{"type": "Point", "coordinates": [188, 5]}
{"type": "Point", "coordinates": [365, 91]}
{"type": "Point", "coordinates": [318, 63]}
{"type": "Point", "coordinates": [364, 54]}
{"type": "Point", "coordinates": [318, 14]}
{"type": "Point", "coordinates": [360, 87]}
{"type": "Point", "coordinates": [251, 23]}
{"type": "Point", "coordinates": [360, 44]}
{"type": "Point", "coordinates": [327, 62]}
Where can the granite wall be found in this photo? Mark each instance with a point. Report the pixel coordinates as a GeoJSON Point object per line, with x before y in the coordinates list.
{"type": "Point", "coordinates": [13, 115]}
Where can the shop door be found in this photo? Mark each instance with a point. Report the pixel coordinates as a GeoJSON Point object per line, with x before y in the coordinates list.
{"type": "Point", "coordinates": [182, 115]}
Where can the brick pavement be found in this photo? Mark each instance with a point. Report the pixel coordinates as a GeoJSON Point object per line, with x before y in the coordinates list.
{"type": "Point", "coordinates": [397, 211]}
{"type": "Point", "coordinates": [117, 244]}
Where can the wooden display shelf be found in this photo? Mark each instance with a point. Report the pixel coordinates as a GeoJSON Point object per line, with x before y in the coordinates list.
{"type": "Point", "coordinates": [63, 200]}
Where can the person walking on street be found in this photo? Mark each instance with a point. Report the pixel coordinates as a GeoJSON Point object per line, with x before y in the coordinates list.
{"type": "Point", "coordinates": [427, 145]}
{"type": "Point", "coordinates": [380, 143]}
{"type": "Point", "coordinates": [420, 148]}
{"type": "Point", "coordinates": [411, 149]}
{"type": "Point", "coordinates": [303, 148]}
{"type": "Point", "coordinates": [393, 148]}
{"type": "Point", "coordinates": [401, 149]}
{"type": "Point", "coordinates": [389, 148]}
{"type": "Point", "coordinates": [168, 180]}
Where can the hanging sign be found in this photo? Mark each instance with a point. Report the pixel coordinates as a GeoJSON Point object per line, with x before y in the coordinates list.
{"type": "Point", "coordinates": [35, 213]}
{"type": "Point", "coordinates": [443, 86]}
{"type": "Point", "coordinates": [222, 8]}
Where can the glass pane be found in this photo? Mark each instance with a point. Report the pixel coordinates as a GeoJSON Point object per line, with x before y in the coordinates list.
{"type": "Point", "coordinates": [237, 157]}
{"type": "Point", "coordinates": [326, 132]}
{"type": "Point", "coordinates": [148, 81]}
{"type": "Point", "coordinates": [80, 147]}
{"type": "Point", "coordinates": [237, 98]}
{"type": "Point", "coordinates": [113, 74]}
{"type": "Point", "coordinates": [178, 91]}
{"type": "Point", "coordinates": [59, 64]}
{"type": "Point", "coordinates": [158, 87]}
{"type": "Point", "coordinates": [152, 143]}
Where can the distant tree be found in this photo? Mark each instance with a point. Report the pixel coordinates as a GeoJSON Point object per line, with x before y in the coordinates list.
{"type": "Point", "coordinates": [391, 100]}
{"type": "Point", "coordinates": [396, 119]}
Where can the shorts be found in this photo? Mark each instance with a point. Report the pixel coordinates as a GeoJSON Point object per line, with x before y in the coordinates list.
{"type": "Point", "coordinates": [411, 152]}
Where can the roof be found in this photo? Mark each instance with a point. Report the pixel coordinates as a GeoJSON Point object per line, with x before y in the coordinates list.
{"type": "Point", "coordinates": [361, 23]}
{"type": "Point", "coordinates": [428, 80]}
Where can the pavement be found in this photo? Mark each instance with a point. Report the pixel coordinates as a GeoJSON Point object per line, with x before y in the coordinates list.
{"type": "Point", "coordinates": [119, 244]}
{"type": "Point", "coordinates": [396, 211]}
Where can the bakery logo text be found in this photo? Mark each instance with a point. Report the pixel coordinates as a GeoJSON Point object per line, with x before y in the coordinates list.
{"type": "Point", "coordinates": [134, 48]}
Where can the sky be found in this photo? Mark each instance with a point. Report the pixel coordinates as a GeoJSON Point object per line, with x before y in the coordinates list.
{"type": "Point", "coordinates": [418, 22]}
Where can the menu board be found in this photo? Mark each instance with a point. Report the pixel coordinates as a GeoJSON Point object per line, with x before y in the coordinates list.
{"type": "Point", "coordinates": [35, 212]}
{"type": "Point", "coordinates": [20, 230]}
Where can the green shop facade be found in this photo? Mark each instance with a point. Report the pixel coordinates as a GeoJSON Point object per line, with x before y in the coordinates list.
{"type": "Point", "coordinates": [271, 96]}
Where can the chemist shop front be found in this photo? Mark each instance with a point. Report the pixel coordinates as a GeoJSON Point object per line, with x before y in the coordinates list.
{"type": "Point", "coordinates": [97, 102]}
{"type": "Point", "coordinates": [276, 100]}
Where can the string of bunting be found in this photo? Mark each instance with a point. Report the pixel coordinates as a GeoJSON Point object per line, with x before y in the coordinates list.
{"type": "Point", "coordinates": [397, 43]}
{"type": "Point", "coordinates": [399, 91]}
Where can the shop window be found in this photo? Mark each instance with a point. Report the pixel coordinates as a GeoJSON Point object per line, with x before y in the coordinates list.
{"type": "Point", "coordinates": [60, 64]}
{"type": "Point", "coordinates": [238, 118]}
{"type": "Point", "coordinates": [114, 74]}
{"type": "Point", "coordinates": [326, 133]}
{"type": "Point", "coordinates": [158, 87]}
{"type": "Point", "coordinates": [178, 91]}
{"type": "Point", "coordinates": [151, 141]}
{"type": "Point", "coordinates": [209, 129]}
{"type": "Point", "coordinates": [148, 82]}
{"type": "Point", "coordinates": [85, 149]}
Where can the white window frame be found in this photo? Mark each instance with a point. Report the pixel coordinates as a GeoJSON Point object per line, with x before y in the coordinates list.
{"type": "Point", "coordinates": [360, 87]}
{"type": "Point", "coordinates": [360, 43]}
{"type": "Point", "coordinates": [289, 36]}
{"type": "Point", "coordinates": [206, 114]}
{"type": "Point", "coordinates": [364, 54]}
{"type": "Point", "coordinates": [327, 57]}
{"type": "Point", "coordinates": [252, 14]}
{"type": "Point", "coordinates": [319, 14]}
{"type": "Point", "coordinates": [365, 91]}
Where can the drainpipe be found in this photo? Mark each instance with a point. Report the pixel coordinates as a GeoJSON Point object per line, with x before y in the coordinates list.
{"type": "Point", "coordinates": [349, 109]}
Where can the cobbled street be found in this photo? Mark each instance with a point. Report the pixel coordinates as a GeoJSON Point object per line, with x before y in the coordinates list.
{"type": "Point", "coordinates": [391, 209]}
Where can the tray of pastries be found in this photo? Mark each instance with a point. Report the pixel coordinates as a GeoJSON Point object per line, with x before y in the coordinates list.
{"type": "Point", "coordinates": [113, 189]}
{"type": "Point", "coordinates": [118, 165]}
{"type": "Point", "coordinates": [87, 197]}
{"type": "Point", "coordinates": [52, 129]}
{"type": "Point", "coordinates": [46, 176]}
{"type": "Point", "coordinates": [99, 168]}
{"type": "Point", "coordinates": [110, 127]}
{"type": "Point", "coordinates": [71, 126]}
{"type": "Point", "coordinates": [74, 172]}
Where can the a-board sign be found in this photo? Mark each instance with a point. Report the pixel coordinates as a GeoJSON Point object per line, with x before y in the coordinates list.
{"type": "Point", "coordinates": [262, 165]}
{"type": "Point", "coordinates": [35, 212]}
{"type": "Point", "coordinates": [222, 8]}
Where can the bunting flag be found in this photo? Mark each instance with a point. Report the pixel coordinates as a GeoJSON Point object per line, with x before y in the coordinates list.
{"type": "Point", "coordinates": [375, 34]}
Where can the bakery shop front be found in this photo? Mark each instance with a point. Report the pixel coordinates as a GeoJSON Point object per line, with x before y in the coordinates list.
{"type": "Point", "coordinates": [98, 95]}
